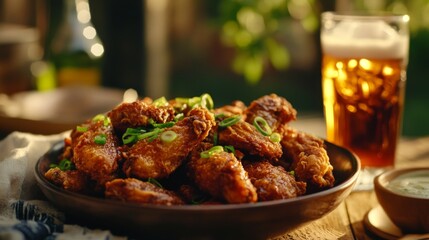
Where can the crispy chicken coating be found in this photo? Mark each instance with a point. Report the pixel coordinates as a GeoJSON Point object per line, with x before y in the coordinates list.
{"type": "Point", "coordinates": [157, 159]}
{"type": "Point", "coordinates": [235, 108]}
{"type": "Point", "coordinates": [273, 182]}
{"type": "Point", "coordinates": [166, 144]}
{"type": "Point", "coordinates": [137, 191]}
{"type": "Point", "coordinates": [222, 176]}
{"type": "Point", "coordinates": [72, 180]}
{"type": "Point", "coordinates": [245, 137]}
{"type": "Point", "coordinates": [137, 114]}
{"type": "Point", "coordinates": [95, 152]}
{"type": "Point", "coordinates": [275, 110]}
{"type": "Point", "coordinates": [310, 161]}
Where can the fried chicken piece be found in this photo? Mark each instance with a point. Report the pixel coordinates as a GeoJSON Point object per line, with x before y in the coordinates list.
{"type": "Point", "coordinates": [276, 110]}
{"type": "Point", "coordinates": [72, 180]}
{"type": "Point", "coordinates": [310, 161]}
{"type": "Point", "coordinates": [273, 182]}
{"type": "Point", "coordinates": [137, 191]}
{"type": "Point", "coordinates": [95, 152]}
{"type": "Point", "coordinates": [157, 159]}
{"type": "Point", "coordinates": [245, 137]}
{"type": "Point", "coordinates": [137, 114]}
{"type": "Point", "coordinates": [235, 108]}
{"type": "Point", "coordinates": [222, 176]}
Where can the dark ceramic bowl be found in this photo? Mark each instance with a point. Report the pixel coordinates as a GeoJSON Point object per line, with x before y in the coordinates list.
{"type": "Point", "coordinates": [408, 211]}
{"type": "Point", "coordinates": [231, 221]}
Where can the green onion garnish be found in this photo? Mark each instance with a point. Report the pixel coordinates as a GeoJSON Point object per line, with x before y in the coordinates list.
{"type": "Point", "coordinates": [101, 117]}
{"type": "Point", "coordinates": [181, 100]}
{"type": "Point", "coordinates": [150, 135]}
{"type": "Point", "coordinates": [275, 137]}
{"type": "Point", "coordinates": [179, 117]}
{"type": "Point", "coordinates": [292, 173]}
{"type": "Point", "coordinates": [131, 135]}
{"type": "Point", "coordinates": [194, 101]}
{"type": "Point", "coordinates": [262, 126]}
{"type": "Point", "coordinates": [229, 149]}
{"type": "Point", "coordinates": [64, 165]}
{"type": "Point", "coordinates": [154, 182]}
{"type": "Point", "coordinates": [229, 121]}
{"type": "Point", "coordinates": [219, 115]}
{"type": "Point", "coordinates": [161, 125]}
{"type": "Point", "coordinates": [207, 101]}
{"type": "Point", "coordinates": [168, 136]}
{"type": "Point", "coordinates": [162, 101]}
{"type": "Point", "coordinates": [81, 128]}
{"type": "Point", "coordinates": [98, 117]}
{"type": "Point", "coordinates": [211, 151]}
{"type": "Point", "coordinates": [215, 137]}
{"type": "Point", "coordinates": [100, 139]}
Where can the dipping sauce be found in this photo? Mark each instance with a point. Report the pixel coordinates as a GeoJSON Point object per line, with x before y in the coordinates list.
{"type": "Point", "coordinates": [413, 184]}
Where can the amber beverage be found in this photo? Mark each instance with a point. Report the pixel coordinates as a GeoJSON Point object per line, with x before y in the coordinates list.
{"type": "Point", "coordinates": [363, 83]}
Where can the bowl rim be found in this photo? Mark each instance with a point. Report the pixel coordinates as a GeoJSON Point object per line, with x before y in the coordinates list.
{"type": "Point", "coordinates": [41, 180]}
{"type": "Point", "coordinates": [383, 179]}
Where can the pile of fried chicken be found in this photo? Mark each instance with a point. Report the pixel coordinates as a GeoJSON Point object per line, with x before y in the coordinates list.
{"type": "Point", "coordinates": [185, 151]}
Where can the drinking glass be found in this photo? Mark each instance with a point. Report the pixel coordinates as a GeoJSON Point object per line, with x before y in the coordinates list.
{"type": "Point", "coordinates": [364, 61]}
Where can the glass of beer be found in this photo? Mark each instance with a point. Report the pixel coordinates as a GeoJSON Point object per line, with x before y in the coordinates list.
{"type": "Point", "coordinates": [363, 84]}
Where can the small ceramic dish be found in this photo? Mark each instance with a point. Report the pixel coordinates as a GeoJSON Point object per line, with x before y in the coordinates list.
{"type": "Point", "coordinates": [404, 196]}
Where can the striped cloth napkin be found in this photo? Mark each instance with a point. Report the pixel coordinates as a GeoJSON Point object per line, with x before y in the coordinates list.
{"type": "Point", "coordinates": [24, 211]}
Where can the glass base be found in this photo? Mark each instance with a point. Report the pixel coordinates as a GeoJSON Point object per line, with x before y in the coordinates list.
{"type": "Point", "coordinates": [366, 178]}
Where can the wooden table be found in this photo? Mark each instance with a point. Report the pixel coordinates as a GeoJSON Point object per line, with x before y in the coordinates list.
{"type": "Point", "coordinates": [346, 221]}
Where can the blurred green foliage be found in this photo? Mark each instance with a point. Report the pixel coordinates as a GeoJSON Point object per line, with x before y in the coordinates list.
{"type": "Point", "coordinates": [251, 27]}
{"type": "Point", "coordinates": [198, 70]}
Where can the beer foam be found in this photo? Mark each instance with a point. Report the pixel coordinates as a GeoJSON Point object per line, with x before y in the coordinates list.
{"type": "Point", "coordinates": [372, 39]}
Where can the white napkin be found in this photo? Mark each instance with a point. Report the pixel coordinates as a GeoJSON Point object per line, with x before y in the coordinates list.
{"type": "Point", "coordinates": [24, 213]}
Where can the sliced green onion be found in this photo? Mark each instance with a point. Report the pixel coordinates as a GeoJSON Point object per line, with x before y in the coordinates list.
{"type": "Point", "coordinates": [100, 139]}
{"type": "Point", "coordinates": [161, 125]}
{"type": "Point", "coordinates": [168, 136]}
{"type": "Point", "coordinates": [81, 128]}
{"type": "Point", "coordinates": [229, 149]}
{"type": "Point", "coordinates": [207, 101]}
{"type": "Point", "coordinates": [129, 139]}
{"type": "Point", "coordinates": [101, 117]}
{"type": "Point", "coordinates": [275, 137]}
{"type": "Point", "coordinates": [292, 173]}
{"type": "Point", "coordinates": [229, 121]}
{"type": "Point", "coordinates": [98, 117]}
{"type": "Point", "coordinates": [181, 100]}
{"type": "Point", "coordinates": [64, 165]}
{"type": "Point", "coordinates": [154, 182]}
{"type": "Point", "coordinates": [211, 151]}
{"type": "Point", "coordinates": [215, 137]}
{"type": "Point", "coordinates": [150, 135]}
{"type": "Point", "coordinates": [164, 125]}
{"type": "Point", "coordinates": [194, 101]}
{"type": "Point", "coordinates": [131, 135]}
{"type": "Point", "coordinates": [106, 121]}
{"type": "Point", "coordinates": [219, 115]}
{"type": "Point", "coordinates": [162, 101]}
{"type": "Point", "coordinates": [179, 117]}
{"type": "Point", "coordinates": [262, 126]}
